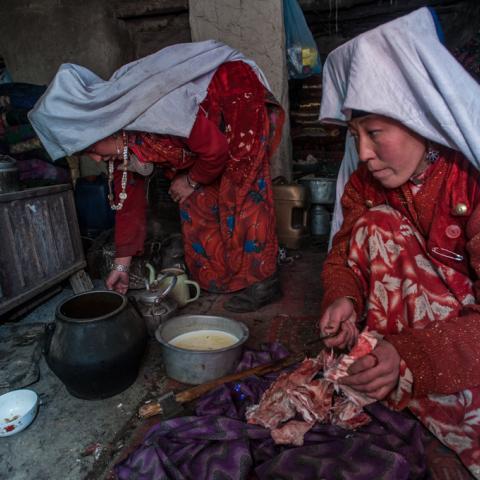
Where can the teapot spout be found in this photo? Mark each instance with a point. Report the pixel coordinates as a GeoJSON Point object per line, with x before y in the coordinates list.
{"type": "Point", "coordinates": [151, 273]}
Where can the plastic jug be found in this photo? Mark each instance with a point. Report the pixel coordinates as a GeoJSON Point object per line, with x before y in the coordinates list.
{"type": "Point", "coordinates": [291, 210]}
{"type": "Point", "coordinates": [93, 210]}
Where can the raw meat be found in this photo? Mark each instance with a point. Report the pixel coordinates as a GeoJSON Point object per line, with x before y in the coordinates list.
{"type": "Point", "coordinates": [300, 394]}
{"type": "Point", "coordinates": [348, 415]}
{"type": "Point", "coordinates": [276, 405]}
{"type": "Point", "coordinates": [364, 346]}
{"type": "Point", "coordinates": [291, 433]}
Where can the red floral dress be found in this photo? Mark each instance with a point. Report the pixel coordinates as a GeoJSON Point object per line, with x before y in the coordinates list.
{"type": "Point", "coordinates": [228, 225]}
{"type": "Point", "coordinates": [412, 269]}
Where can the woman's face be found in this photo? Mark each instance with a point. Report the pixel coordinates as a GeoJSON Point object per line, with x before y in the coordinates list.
{"type": "Point", "coordinates": [392, 152]}
{"type": "Point", "coordinates": [103, 150]}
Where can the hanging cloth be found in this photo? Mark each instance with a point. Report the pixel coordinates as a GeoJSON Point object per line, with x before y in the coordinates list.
{"type": "Point", "coordinates": [402, 70]}
{"type": "Point", "coordinates": [160, 93]}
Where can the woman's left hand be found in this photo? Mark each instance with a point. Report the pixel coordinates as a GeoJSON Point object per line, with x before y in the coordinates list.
{"type": "Point", "coordinates": [375, 374]}
{"type": "Point", "coordinates": [180, 189]}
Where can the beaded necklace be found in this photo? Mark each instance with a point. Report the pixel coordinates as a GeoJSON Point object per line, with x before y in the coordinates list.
{"type": "Point", "coordinates": [111, 167]}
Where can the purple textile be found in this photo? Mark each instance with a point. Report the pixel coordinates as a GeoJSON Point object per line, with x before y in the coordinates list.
{"type": "Point", "coordinates": [219, 444]}
{"type": "Point", "coordinates": [37, 169]}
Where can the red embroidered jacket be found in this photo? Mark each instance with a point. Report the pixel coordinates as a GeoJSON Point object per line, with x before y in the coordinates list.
{"type": "Point", "coordinates": [445, 358]}
{"type": "Point", "coordinates": [211, 153]}
{"type": "Point", "coordinates": [204, 154]}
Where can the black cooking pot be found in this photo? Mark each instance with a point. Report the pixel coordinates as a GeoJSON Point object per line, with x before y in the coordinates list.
{"type": "Point", "coordinates": [96, 344]}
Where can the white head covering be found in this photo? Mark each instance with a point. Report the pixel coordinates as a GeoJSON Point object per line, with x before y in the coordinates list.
{"type": "Point", "coordinates": [160, 93]}
{"type": "Point", "coordinates": [403, 71]}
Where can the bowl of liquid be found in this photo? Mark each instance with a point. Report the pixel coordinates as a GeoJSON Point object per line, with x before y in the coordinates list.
{"type": "Point", "coordinates": [200, 348]}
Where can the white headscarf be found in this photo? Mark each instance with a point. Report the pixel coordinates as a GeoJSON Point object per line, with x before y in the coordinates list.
{"type": "Point", "coordinates": [160, 93]}
{"type": "Point", "coordinates": [402, 70]}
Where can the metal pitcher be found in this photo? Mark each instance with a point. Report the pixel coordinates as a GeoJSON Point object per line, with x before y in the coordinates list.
{"type": "Point", "coordinates": [155, 303]}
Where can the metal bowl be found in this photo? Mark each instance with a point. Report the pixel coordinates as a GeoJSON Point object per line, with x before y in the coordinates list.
{"type": "Point", "coordinates": [322, 189]}
{"type": "Point", "coordinates": [200, 366]}
{"type": "Point", "coordinates": [17, 411]}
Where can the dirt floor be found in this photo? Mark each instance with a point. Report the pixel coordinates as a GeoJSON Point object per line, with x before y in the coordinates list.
{"type": "Point", "coordinates": [80, 439]}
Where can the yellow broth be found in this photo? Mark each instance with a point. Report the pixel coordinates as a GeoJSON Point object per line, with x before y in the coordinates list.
{"type": "Point", "coordinates": [204, 340]}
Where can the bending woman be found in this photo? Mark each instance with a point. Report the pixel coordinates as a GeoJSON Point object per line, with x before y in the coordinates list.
{"type": "Point", "coordinates": [406, 260]}
{"type": "Point", "coordinates": [205, 114]}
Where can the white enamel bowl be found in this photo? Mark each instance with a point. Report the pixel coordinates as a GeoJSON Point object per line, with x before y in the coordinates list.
{"type": "Point", "coordinates": [17, 411]}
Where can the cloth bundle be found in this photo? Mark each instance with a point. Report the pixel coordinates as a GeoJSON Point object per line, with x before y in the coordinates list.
{"type": "Point", "coordinates": [402, 70]}
{"type": "Point", "coordinates": [19, 140]}
{"type": "Point", "coordinates": [160, 93]}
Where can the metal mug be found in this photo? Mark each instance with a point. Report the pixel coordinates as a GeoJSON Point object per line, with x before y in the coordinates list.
{"type": "Point", "coordinates": [181, 291]}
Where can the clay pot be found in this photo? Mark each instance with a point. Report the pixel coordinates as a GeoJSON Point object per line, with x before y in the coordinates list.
{"type": "Point", "coordinates": [96, 344]}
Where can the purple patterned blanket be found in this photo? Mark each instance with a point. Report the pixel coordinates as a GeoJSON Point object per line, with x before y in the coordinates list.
{"type": "Point", "coordinates": [217, 443]}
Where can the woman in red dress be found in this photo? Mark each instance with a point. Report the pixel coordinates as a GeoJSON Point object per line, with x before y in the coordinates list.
{"type": "Point", "coordinates": [405, 263]}
{"type": "Point", "coordinates": [220, 178]}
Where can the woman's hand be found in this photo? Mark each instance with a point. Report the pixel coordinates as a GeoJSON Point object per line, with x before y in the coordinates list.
{"type": "Point", "coordinates": [340, 317]}
{"type": "Point", "coordinates": [180, 189]}
{"type": "Point", "coordinates": [117, 280]}
{"type": "Point", "coordinates": [375, 374]}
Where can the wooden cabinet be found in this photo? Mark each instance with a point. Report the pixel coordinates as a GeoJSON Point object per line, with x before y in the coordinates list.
{"type": "Point", "coordinates": [40, 242]}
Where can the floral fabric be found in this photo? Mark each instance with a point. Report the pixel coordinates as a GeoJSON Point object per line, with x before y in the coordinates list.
{"type": "Point", "coordinates": [228, 225]}
{"type": "Point", "coordinates": [408, 288]}
{"type": "Point", "coordinates": [452, 182]}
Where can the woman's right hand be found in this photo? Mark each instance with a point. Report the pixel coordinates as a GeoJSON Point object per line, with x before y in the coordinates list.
{"type": "Point", "coordinates": [117, 281]}
{"type": "Point", "coordinates": [340, 317]}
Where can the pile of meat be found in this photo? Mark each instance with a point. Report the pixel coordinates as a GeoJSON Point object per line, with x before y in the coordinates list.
{"type": "Point", "coordinates": [311, 392]}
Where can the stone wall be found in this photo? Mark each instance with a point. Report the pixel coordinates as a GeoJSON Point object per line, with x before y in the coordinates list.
{"type": "Point", "coordinates": [333, 22]}
{"type": "Point", "coordinates": [36, 36]}
{"type": "Point", "coordinates": [256, 29]}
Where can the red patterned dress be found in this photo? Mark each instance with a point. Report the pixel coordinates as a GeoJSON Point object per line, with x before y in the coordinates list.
{"type": "Point", "coordinates": [228, 225]}
{"type": "Point", "coordinates": [410, 257]}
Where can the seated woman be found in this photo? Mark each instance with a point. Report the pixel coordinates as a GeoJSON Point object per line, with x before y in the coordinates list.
{"type": "Point", "coordinates": [406, 261]}
{"type": "Point", "coordinates": [204, 113]}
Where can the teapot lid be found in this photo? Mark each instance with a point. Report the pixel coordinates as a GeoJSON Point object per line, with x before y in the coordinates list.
{"type": "Point", "coordinates": [153, 295]}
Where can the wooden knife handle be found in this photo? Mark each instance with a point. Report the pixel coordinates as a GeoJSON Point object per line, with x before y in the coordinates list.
{"type": "Point", "coordinates": [150, 410]}
{"type": "Point", "coordinates": [199, 390]}
{"type": "Point", "coordinates": [155, 408]}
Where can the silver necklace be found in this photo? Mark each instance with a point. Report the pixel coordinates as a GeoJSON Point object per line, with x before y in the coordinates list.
{"type": "Point", "coordinates": [111, 167]}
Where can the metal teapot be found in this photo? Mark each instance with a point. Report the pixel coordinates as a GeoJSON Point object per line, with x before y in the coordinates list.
{"type": "Point", "coordinates": [154, 302]}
